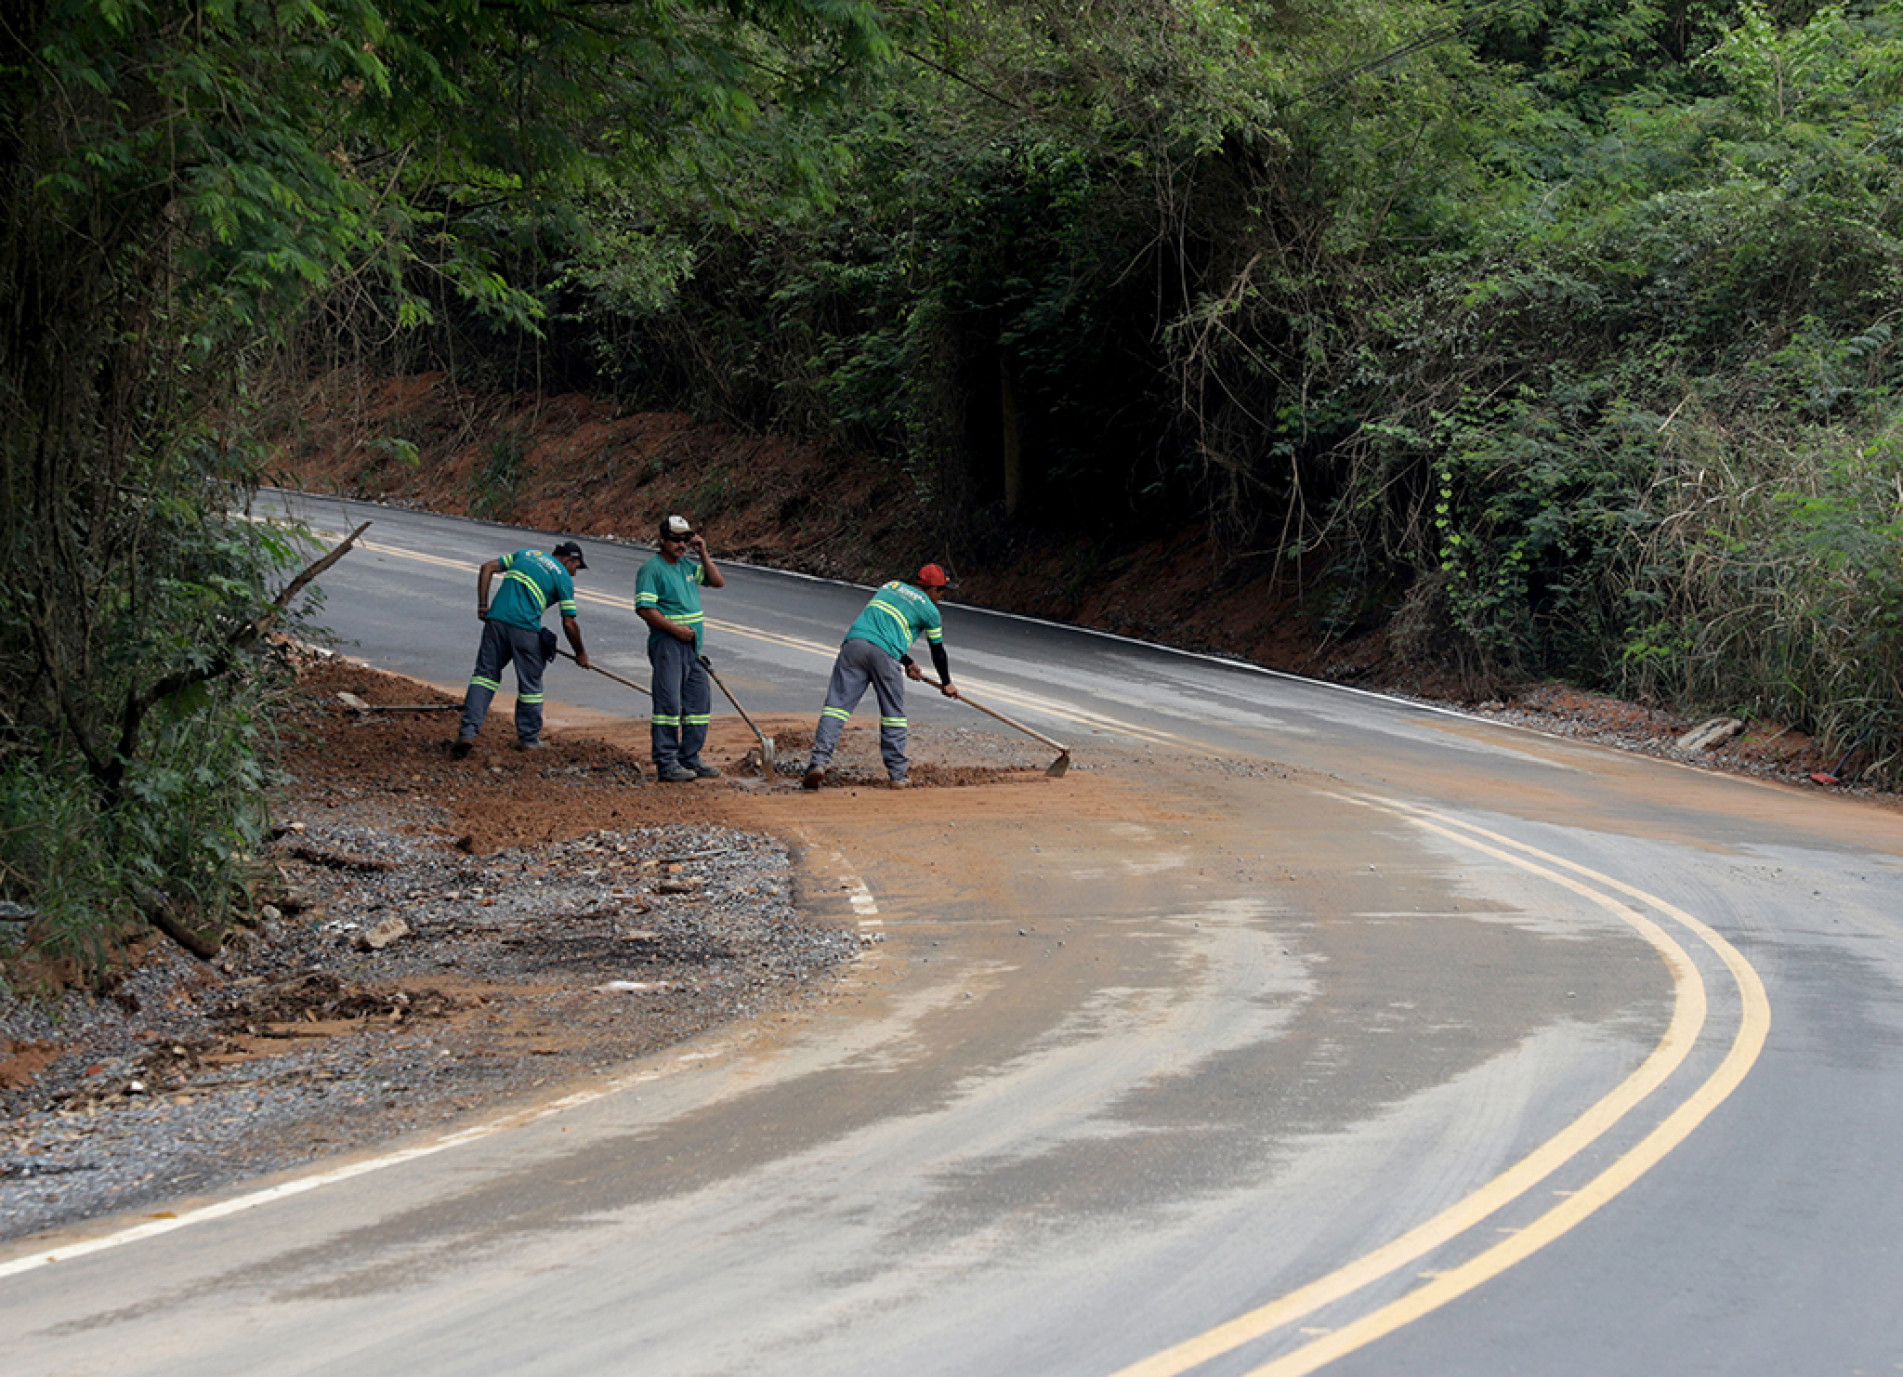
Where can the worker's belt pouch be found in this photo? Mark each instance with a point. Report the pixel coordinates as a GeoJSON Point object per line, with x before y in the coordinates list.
{"type": "Point", "coordinates": [548, 644]}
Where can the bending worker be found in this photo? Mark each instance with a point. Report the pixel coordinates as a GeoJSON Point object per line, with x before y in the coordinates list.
{"type": "Point", "coordinates": [512, 631]}
{"type": "Point", "coordinates": [667, 598]}
{"type": "Point", "coordinates": [875, 649]}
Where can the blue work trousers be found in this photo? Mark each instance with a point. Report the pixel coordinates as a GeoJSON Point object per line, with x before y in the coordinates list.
{"type": "Point", "coordinates": [683, 702]}
{"type": "Point", "coordinates": [501, 644]}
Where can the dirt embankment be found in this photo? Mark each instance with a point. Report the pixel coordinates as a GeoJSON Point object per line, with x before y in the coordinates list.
{"type": "Point", "coordinates": [576, 464]}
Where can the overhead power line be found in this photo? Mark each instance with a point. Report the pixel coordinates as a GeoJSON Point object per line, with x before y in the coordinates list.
{"type": "Point", "coordinates": [1420, 43]}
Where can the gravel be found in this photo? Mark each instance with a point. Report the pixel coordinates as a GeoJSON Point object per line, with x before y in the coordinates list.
{"type": "Point", "coordinates": [519, 969]}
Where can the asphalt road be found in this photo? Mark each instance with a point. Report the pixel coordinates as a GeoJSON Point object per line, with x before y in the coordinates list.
{"type": "Point", "coordinates": [1296, 1029]}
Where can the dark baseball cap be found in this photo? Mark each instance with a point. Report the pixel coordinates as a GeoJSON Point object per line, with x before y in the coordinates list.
{"type": "Point", "coordinates": [568, 549]}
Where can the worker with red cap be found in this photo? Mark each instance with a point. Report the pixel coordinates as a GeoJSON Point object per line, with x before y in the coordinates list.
{"type": "Point", "coordinates": [877, 646]}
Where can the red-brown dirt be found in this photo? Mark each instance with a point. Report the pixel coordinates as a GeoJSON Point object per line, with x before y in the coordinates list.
{"type": "Point", "coordinates": [561, 915]}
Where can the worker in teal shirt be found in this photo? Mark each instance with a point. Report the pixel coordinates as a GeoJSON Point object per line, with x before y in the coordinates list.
{"type": "Point", "coordinates": [512, 632]}
{"type": "Point", "coordinates": [877, 648]}
{"type": "Point", "coordinates": [667, 598]}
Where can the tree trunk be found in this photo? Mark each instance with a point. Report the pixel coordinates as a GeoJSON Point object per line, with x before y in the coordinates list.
{"type": "Point", "coordinates": [1010, 441]}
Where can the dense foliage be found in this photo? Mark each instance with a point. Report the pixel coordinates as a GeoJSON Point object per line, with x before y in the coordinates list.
{"type": "Point", "coordinates": [178, 178]}
{"type": "Point", "coordinates": [1559, 333]}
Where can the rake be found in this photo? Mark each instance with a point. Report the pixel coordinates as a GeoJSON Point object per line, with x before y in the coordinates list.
{"type": "Point", "coordinates": [625, 683]}
{"type": "Point", "coordinates": [1057, 767]}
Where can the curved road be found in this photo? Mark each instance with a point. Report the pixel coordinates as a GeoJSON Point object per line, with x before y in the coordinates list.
{"type": "Point", "coordinates": [1295, 1029]}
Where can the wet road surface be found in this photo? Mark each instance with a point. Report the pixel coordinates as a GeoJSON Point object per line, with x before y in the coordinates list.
{"type": "Point", "coordinates": [1295, 1029]}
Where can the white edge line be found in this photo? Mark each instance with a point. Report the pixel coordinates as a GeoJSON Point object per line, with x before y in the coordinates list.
{"type": "Point", "coordinates": [1415, 704]}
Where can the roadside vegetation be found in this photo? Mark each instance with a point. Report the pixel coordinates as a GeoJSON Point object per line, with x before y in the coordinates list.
{"type": "Point", "coordinates": [1554, 336]}
{"type": "Point", "coordinates": [183, 186]}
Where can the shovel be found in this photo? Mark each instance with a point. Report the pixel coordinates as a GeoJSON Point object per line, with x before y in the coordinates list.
{"type": "Point", "coordinates": [766, 742]}
{"type": "Point", "coordinates": [1836, 776]}
{"type": "Point", "coordinates": [1057, 766]}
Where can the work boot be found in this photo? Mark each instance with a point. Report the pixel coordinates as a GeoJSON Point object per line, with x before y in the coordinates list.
{"type": "Point", "coordinates": [676, 774]}
{"type": "Point", "coordinates": [702, 770]}
{"type": "Point", "coordinates": [814, 774]}
{"type": "Point", "coordinates": [460, 748]}
{"type": "Point", "coordinates": [899, 782]}
{"type": "Point", "coordinates": [536, 745]}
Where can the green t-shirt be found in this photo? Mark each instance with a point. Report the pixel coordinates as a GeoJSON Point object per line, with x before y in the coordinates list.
{"type": "Point", "coordinates": [894, 618]}
{"type": "Point", "coordinates": [673, 590]}
{"type": "Point", "coordinates": [531, 581]}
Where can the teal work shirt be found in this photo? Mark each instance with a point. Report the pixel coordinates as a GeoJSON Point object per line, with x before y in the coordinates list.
{"type": "Point", "coordinates": [894, 618]}
{"type": "Point", "coordinates": [531, 581]}
{"type": "Point", "coordinates": [673, 590]}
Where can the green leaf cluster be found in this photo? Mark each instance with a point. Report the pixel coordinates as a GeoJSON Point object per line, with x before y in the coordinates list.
{"type": "Point", "coordinates": [1476, 302]}
{"type": "Point", "coordinates": [188, 188]}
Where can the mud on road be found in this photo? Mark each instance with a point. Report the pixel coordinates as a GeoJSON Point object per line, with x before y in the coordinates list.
{"type": "Point", "coordinates": [436, 939]}
{"type": "Point", "coordinates": [442, 939]}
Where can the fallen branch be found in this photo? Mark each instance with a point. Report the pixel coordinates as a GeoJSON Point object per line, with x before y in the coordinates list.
{"type": "Point", "coordinates": [157, 909]}
{"type": "Point", "coordinates": [298, 584]}
{"type": "Point", "coordinates": [138, 705]}
{"type": "Point", "coordinates": [339, 860]}
{"type": "Point", "coordinates": [158, 912]}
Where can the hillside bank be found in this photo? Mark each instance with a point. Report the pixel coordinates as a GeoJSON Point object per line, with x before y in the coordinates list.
{"type": "Point", "coordinates": [581, 465]}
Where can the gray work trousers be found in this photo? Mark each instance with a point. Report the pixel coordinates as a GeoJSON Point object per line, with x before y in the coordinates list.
{"type": "Point", "coordinates": [862, 664]}
{"type": "Point", "coordinates": [683, 703]}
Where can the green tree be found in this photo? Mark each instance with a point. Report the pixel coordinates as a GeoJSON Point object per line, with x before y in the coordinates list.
{"type": "Point", "coordinates": [179, 180]}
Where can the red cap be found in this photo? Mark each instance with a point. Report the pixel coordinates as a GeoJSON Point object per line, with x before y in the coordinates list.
{"type": "Point", "coordinates": [931, 576]}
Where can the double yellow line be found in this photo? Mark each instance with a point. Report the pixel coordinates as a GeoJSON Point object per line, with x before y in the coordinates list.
{"type": "Point", "coordinates": [1641, 911]}
{"type": "Point", "coordinates": [1690, 1014]}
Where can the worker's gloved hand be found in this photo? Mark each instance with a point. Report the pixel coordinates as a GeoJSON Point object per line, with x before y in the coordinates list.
{"type": "Point", "coordinates": [705, 663]}
{"type": "Point", "coordinates": [482, 611]}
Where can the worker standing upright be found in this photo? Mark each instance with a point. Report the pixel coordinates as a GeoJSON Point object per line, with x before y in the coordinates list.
{"type": "Point", "coordinates": [876, 648]}
{"type": "Point", "coordinates": [667, 598]}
